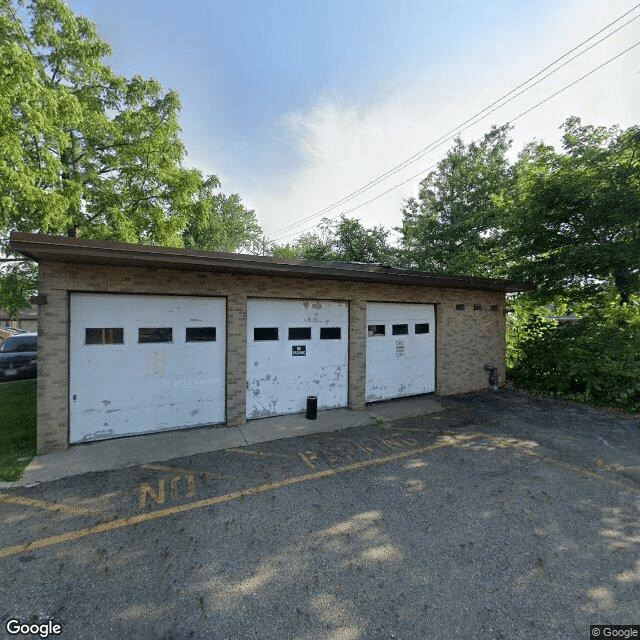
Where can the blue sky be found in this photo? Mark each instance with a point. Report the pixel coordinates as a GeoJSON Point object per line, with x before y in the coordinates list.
{"type": "Point", "coordinates": [294, 104]}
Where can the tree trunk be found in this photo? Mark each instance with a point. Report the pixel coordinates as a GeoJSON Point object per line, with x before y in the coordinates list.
{"type": "Point", "coordinates": [622, 285]}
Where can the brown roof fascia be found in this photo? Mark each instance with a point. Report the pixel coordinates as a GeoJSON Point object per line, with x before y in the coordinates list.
{"type": "Point", "coordinates": [42, 247]}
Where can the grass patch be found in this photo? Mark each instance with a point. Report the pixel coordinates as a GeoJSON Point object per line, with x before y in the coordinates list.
{"type": "Point", "coordinates": [18, 438]}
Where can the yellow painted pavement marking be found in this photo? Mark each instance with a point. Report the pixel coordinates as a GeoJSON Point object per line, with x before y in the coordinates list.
{"type": "Point", "coordinates": [589, 473]}
{"type": "Point", "coordinates": [147, 490]}
{"type": "Point", "coordinates": [582, 471]}
{"type": "Point", "coordinates": [247, 452]}
{"type": "Point", "coordinates": [191, 484]}
{"type": "Point", "coordinates": [161, 467]}
{"type": "Point", "coordinates": [41, 504]}
{"type": "Point", "coordinates": [186, 472]}
{"type": "Point", "coordinates": [367, 450]}
{"type": "Point", "coordinates": [128, 521]}
{"type": "Point", "coordinates": [309, 458]}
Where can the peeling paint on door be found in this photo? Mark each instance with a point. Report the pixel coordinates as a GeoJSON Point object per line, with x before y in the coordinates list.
{"type": "Point", "coordinates": [144, 387]}
{"type": "Point", "coordinates": [280, 379]}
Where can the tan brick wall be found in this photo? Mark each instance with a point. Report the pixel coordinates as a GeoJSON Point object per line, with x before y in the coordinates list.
{"type": "Point", "coordinates": [465, 340]}
{"type": "Point", "coordinates": [236, 358]}
{"type": "Point", "coordinates": [357, 352]}
{"type": "Point", "coordinates": [53, 359]}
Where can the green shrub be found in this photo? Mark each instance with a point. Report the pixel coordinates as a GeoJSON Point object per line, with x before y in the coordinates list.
{"type": "Point", "coordinates": [596, 361]}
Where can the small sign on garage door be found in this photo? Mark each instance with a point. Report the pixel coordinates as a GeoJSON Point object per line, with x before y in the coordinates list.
{"type": "Point", "coordinates": [400, 350]}
{"type": "Point", "coordinates": [142, 363]}
{"type": "Point", "coordinates": [296, 349]}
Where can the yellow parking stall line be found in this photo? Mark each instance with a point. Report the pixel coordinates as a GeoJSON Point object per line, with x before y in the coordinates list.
{"type": "Point", "coordinates": [246, 452]}
{"type": "Point", "coordinates": [309, 458]}
{"type": "Point", "coordinates": [174, 470]}
{"type": "Point", "coordinates": [120, 523]}
{"type": "Point", "coordinates": [161, 467]}
{"type": "Point", "coordinates": [41, 504]}
{"type": "Point", "coordinates": [589, 474]}
{"type": "Point", "coordinates": [186, 472]}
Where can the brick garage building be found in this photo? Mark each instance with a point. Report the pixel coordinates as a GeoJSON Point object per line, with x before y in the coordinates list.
{"type": "Point", "coordinates": [137, 338]}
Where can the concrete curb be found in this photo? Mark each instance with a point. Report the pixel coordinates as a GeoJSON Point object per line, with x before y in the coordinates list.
{"type": "Point", "coordinates": [107, 455]}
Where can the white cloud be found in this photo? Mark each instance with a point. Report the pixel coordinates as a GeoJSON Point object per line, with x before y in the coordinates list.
{"type": "Point", "coordinates": [344, 146]}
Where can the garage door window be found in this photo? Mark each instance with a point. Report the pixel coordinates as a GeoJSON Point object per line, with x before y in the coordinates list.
{"type": "Point", "coordinates": [111, 335]}
{"type": "Point", "coordinates": [376, 330]}
{"type": "Point", "coordinates": [299, 333]}
{"type": "Point", "coordinates": [330, 333]}
{"type": "Point", "coordinates": [422, 328]}
{"type": "Point", "coordinates": [400, 329]}
{"type": "Point", "coordinates": [200, 334]}
{"type": "Point", "coordinates": [265, 333]}
{"type": "Point", "coordinates": [161, 334]}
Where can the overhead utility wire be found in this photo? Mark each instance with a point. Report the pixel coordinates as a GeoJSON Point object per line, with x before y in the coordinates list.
{"type": "Point", "coordinates": [475, 118]}
{"type": "Point", "coordinates": [520, 115]}
{"type": "Point", "coordinates": [456, 130]}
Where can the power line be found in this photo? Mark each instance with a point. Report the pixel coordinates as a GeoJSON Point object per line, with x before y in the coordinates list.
{"type": "Point", "coordinates": [364, 204]}
{"type": "Point", "coordinates": [485, 112]}
{"type": "Point", "coordinates": [520, 115]}
{"type": "Point", "coordinates": [472, 121]}
{"type": "Point", "coordinates": [568, 86]}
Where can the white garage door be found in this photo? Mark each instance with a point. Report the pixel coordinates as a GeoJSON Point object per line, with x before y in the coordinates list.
{"type": "Point", "coordinates": [144, 363]}
{"type": "Point", "coordinates": [400, 350]}
{"type": "Point", "coordinates": [296, 348]}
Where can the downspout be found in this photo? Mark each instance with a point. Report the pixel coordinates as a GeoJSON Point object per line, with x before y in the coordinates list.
{"type": "Point", "coordinates": [493, 376]}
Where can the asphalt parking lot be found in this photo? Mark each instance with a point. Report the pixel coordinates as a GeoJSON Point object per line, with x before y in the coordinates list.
{"type": "Point", "coordinates": [503, 516]}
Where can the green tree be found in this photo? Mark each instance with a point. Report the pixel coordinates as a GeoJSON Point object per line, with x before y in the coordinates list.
{"type": "Point", "coordinates": [309, 246]}
{"type": "Point", "coordinates": [345, 240]}
{"type": "Point", "coordinates": [16, 287]}
{"type": "Point", "coordinates": [220, 222]}
{"type": "Point", "coordinates": [83, 150]}
{"type": "Point", "coordinates": [575, 215]}
{"type": "Point", "coordinates": [454, 226]}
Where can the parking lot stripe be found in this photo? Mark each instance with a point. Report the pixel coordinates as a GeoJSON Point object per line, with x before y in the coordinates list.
{"type": "Point", "coordinates": [41, 504]}
{"type": "Point", "coordinates": [161, 467]}
{"type": "Point", "coordinates": [589, 473]}
{"type": "Point", "coordinates": [186, 472]}
{"type": "Point", "coordinates": [246, 452]}
{"type": "Point", "coordinates": [119, 523]}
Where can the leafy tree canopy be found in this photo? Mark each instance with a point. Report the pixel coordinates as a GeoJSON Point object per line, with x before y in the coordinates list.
{"type": "Point", "coordinates": [85, 151]}
{"type": "Point", "coordinates": [454, 225]}
{"type": "Point", "coordinates": [346, 240]}
{"type": "Point", "coordinates": [574, 216]}
{"type": "Point", "coordinates": [219, 222]}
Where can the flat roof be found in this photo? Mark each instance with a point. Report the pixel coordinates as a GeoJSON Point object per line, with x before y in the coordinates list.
{"type": "Point", "coordinates": [43, 248]}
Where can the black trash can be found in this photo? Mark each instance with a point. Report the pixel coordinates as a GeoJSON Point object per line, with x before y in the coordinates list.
{"type": "Point", "coordinates": [312, 407]}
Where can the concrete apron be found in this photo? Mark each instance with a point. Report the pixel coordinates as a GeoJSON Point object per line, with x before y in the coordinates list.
{"type": "Point", "coordinates": [158, 447]}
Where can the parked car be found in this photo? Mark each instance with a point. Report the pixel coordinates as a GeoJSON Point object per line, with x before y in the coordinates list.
{"type": "Point", "coordinates": [19, 357]}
